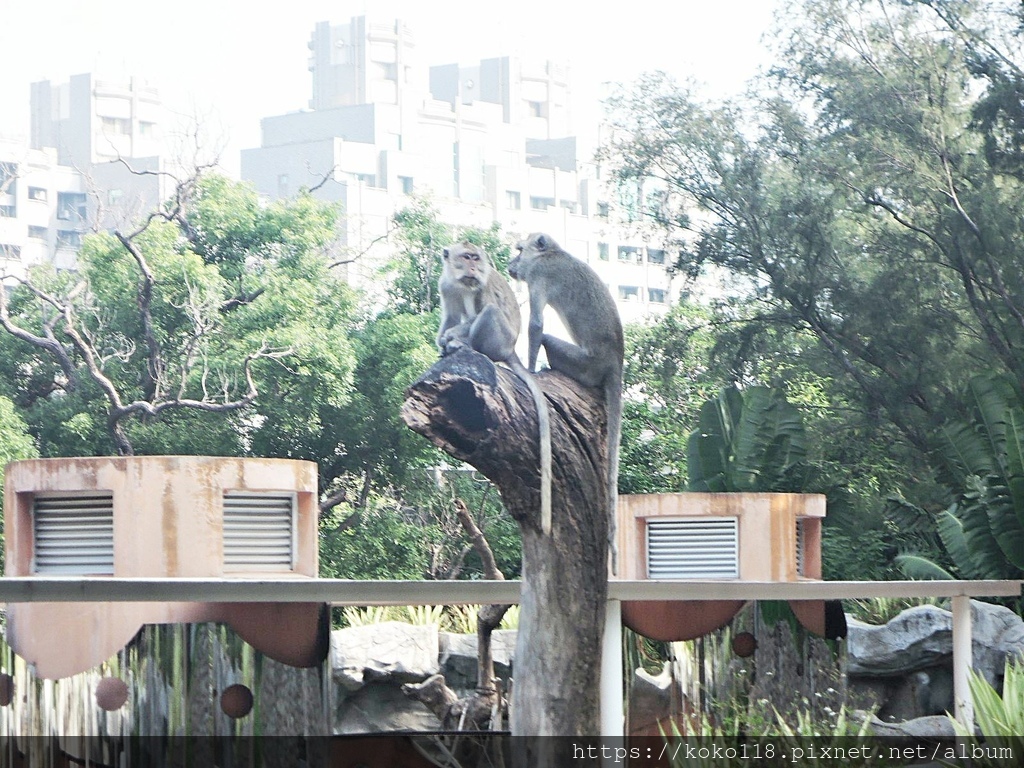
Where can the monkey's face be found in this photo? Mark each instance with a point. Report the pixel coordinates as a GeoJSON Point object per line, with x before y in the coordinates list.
{"type": "Point", "coordinates": [529, 250]}
{"type": "Point", "coordinates": [468, 266]}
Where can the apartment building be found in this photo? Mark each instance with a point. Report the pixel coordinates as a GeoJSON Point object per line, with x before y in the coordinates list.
{"type": "Point", "coordinates": [111, 131]}
{"type": "Point", "coordinates": [43, 209]}
{"type": "Point", "coordinates": [491, 141]}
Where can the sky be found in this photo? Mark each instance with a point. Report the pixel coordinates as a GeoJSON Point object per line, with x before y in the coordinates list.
{"type": "Point", "coordinates": [230, 63]}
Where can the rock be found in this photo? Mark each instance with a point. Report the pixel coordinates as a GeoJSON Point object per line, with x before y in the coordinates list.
{"type": "Point", "coordinates": [904, 668]}
{"type": "Point", "coordinates": [382, 708]}
{"type": "Point", "coordinates": [650, 698]}
{"type": "Point", "coordinates": [458, 657]}
{"type": "Point", "coordinates": [392, 651]}
{"type": "Point", "coordinates": [935, 726]}
{"type": "Point", "coordinates": [922, 637]}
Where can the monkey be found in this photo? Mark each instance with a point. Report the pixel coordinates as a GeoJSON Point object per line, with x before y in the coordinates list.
{"type": "Point", "coordinates": [479, 309]}
{"type": "Point", "coordinates": [594, 358]}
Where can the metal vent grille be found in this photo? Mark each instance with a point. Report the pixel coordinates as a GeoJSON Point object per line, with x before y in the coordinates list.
{"type": "Point", "coordinates": [800, 546]}
{"type": "Point", "coordinates": [74, 534]}
{"type": "Point", "coordinates": [698, 548]}
{"type": "Point", "coordinates": [259, 532]}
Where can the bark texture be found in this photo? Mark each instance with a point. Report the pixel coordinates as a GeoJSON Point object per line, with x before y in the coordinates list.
{"type": "Point", "coordinates": [483, 414]}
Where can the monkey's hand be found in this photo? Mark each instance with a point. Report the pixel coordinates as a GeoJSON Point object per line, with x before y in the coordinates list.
{"type": "Point", "coordinates": [454, 339]}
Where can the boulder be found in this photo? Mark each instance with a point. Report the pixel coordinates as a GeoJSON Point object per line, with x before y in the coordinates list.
{"type": "Point", "coordinates": [458, 657]}
{"type": "Point", "coordinates": [382, 708]}
{"type": "Point", "coordinates": [932, 727]}
{"type": "Point", "coordinates": [922, 637]}
{"type": "Point", "coordinates": [903, 669]}
{"type": "Point", "coordinates": [650, 698]}
{"type": "Point", "coordinates": [390, 651]}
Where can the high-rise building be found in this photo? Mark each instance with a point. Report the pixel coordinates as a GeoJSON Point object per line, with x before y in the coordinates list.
{"type": "Point", "coordinates": [111, 130]}
{"type": "Point", "coordinates": [488, 142]}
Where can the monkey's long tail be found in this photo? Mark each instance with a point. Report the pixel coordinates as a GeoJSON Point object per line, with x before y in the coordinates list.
{"type": "Point", "coordinates": [544, 422]}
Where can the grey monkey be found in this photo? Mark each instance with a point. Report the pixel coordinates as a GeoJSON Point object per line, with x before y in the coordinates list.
{"type": "Point", "coordinates": [594, 356]}
{"type": "Point", "coordinates": [479, 310]}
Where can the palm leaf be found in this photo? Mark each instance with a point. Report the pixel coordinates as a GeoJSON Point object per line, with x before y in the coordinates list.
{"type": "Point", "coordinates": [1015, 465]}
{"type": "Point", "coordinates": [918, 567]}
{"type": "Point", "coordinates": [951, 533]}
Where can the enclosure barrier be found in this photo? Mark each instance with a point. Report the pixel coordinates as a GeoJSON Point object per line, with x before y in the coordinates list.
{"type": "Point", "coordinates": [341, 592]}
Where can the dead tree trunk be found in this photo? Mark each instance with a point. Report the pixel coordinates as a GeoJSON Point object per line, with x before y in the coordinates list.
{"type": "Point", "coordinates": [483, 414]}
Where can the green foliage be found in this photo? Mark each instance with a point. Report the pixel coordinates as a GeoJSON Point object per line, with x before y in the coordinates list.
{"type": "Point", "coordinates": [385, 544]}
{"type": "Point", "coordinates": [998, 718]}
{"type": "Point", "coordinates": [983, 530]}
{"type": "Point", "coordinates": [867, 213]}
{"type": "Point", "coordinates": [667, 376]}
{"type": "Point", "coordinates": [391, 352]}
{"type": "Point", "coordinates": [15, 444]}
{"type": "Point", "coordinates": [881, 610]}
{"type": "Point", "coordinates": [157, 334]}
{"type": "Point", "coordinates": [748, 441]}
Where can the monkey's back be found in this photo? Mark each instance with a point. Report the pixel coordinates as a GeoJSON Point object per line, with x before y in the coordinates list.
{"type": "Point", "coordinates": [573, 283]}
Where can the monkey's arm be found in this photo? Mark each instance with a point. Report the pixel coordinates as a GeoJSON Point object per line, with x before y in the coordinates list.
{"type": "Point", "coordinates": [449, 320]}
{"type": "Point", "coordinates": [535, 327]}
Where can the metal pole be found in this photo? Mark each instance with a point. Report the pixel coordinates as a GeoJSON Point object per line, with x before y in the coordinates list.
{"type": "Point", "coordinates": [613, 715]}
{"type": "Point", "coordinates": [962, 641]}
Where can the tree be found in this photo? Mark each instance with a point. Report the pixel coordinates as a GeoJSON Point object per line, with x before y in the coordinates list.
{"type": "Point", "coordinates": [184, 320]}
{"type": "Point", "coordinates": [484, 415]}
{"type": "Point", "coordinates": [877, 239]}
{"type": "Point", "coordinates": [982, 531]}
{"type": "Point", "coordinates": [15, 444]}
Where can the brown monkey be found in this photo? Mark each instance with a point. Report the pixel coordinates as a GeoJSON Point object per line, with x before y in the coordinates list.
{"type": "Point", "coordinates": [588, 312]}
{"type": "Point", "coordinates": [479, 309]}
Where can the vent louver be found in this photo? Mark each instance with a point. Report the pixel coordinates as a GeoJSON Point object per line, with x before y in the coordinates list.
{"type": "Point", "coordinates": [800, 546]}
{"type": "Point", "coordinates": [704, 548]}
{"type": "Point", "coordinates": [259, 532]}
{"type": "Point", "coordinates": [74, 534]}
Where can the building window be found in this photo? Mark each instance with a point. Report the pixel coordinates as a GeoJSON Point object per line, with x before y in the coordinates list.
{"type": "Point", "coordinates": [69, 239]}
{"type": "Point", "coordinates": [541, 203]}
{"type": "Point", "coordinates": [73, 534]}
{"type": "Point", "coordinates": [629, 253]}
{"type": "Point", "coordinates": [8, 175]}
{"type": "Point", "coordinates": [119, 125]}
{"type": "Point", "coordinates": [71, 206]}
{"type": "Point", "coordinates": [282, 185]}
{"type": "Point", "coordinates": [146, 128]}
{"type": "Point", "coordinates": [569, 205]}
{"type": "Point", "coordinates": [602, 251]}
{"type": "Point", "coordinates": [656, 295]}
{"type": "Point", "coordinates": [629, 293]}
{"type": "Point", "coordinates": [367, 179]}
{"type": "Point", "coordinates": [259, 531]}
{"type": "Point", "coordinates": [37, 193]}
{"type": "Point", "coordinates": [114, 195]}
{"type": "Point", "coordinates": [407, 185]}
{"type": "Point", "coordinates": [38, 233]}
{"type": "Point", "coordinates": [513, 200]}
{"type": "Point", "coordinates": [8, 211]}
{"type": "Point", "coordinates": [535, 108]}
{"type": "Point", "coordinates": [10, 252]}
{"type": "Point", "coordinates": [602, 210]}
{"type": "Point", "coordinates": [655, 256]}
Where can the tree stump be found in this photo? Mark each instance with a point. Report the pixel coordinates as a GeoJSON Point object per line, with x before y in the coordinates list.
{"type": "Point", "coordinates": [483, 414]}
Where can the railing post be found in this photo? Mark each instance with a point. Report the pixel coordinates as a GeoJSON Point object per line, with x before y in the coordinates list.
{"type": "Point", "coordinates": [962, 643]}
{"type": "Point", "coordinates": [613, 714]}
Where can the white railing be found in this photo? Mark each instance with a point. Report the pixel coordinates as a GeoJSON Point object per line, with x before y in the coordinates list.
{"type": "Point", "coordinates": [341, 592]}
